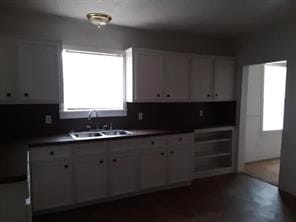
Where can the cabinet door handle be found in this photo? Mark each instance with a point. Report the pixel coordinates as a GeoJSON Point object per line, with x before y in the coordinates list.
{"type": "Point", "coordinates": [168, 95]}
{"type": "Point", "coordinates": [208, 95]}
{"type": "Point", "coordinates": [152, 142]}
{"type": "Point", "coordinates": [180, 139]}
{"type": "Point", "coordinates": [162, 153]}
{"type": "Point", "coordinates": [101, 161]}
{"type": "Point", "coordinates": [26, 94]}
{"type": "Point", "coordinates": [8, 94]}
{"type": "Point", "coordinates": [114, 160]}
{"type": "Point", "coordinates": [172, 152]}
{"type": "Point", "coordinates": [158, 95]}
{"type": "Point", "coordinates": [66, 166]}
{"type": "Point", "coordinates": [216, 94]}
{"type": "Point", "coordinates": [51, 153]}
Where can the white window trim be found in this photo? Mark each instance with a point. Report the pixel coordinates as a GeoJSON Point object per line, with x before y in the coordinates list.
{"type": "Point", "coordinates": [77, 114]}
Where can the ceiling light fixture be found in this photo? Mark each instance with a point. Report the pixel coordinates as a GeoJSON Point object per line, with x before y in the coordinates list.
{"type": "Point", "coordinates": [99, 19]}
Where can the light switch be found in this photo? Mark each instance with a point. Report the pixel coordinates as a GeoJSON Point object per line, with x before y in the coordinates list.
{"type": "Point", "coordinates": [48, 119]}
{"type": "Point", "coordinates": [140, 116]}
{"type": "Point", "coordinates": [201, 113]}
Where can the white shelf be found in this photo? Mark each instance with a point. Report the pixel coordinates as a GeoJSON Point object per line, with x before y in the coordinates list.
{"type": "Point", "coordinates": [202, 155]}
{"type": "Point", "coordinates": [213, 172]}
{"type": "Point", "coordinates": [213, 140]}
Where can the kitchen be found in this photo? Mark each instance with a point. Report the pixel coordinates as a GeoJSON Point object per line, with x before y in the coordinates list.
{"type": "Point", "coordinates": [180, 96]}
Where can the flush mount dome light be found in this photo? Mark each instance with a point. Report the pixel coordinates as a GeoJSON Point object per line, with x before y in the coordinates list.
{"type": "Point", "coordinates": [99, 19]}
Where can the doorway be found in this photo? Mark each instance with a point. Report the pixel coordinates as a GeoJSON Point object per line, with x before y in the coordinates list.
{"type": "Point", "coordinates": [262, 117]}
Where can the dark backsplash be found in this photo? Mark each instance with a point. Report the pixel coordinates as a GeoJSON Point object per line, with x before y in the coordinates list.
{"type": "Point", "coordinates": [29, 120]}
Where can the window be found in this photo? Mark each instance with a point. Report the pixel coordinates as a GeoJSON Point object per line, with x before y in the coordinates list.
{"type": "Point", "coordinates": [93, 81]}
{"type": "Point", "coordinates": [274, 96]}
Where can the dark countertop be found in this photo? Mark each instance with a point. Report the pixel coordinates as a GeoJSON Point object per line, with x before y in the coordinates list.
{"type": "Point", "coordinates": [13, 153]}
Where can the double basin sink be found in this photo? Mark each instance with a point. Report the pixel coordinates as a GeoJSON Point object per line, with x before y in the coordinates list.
{"type": "Point", "coordinates": [99, 134]}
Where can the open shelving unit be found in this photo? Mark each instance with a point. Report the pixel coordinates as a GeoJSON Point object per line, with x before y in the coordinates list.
{"type": "Point", "coordinates": [213, 151]}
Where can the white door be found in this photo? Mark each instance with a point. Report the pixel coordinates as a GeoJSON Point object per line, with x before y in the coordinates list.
{"type": "Point", "coordinates": [224, 79]}
{"type": "Point", "coordinates": [176, 77]}
{"type": "Point", "coordinates": [148, 76]}
{"type": "Point", "coordinates": [39, 71]}
{"type": "Point", "coordinates": [123, 173]}
{"type": "Point", "coordinates": [8, 69]}
{"type": "Point", "coordinates": [201, 79]}
{"type": "Point", "coordinates": [51, 184]}
{"type": "Point", "coordinates": [153, 167]}
{"type": "Point", "coordinates": [90, 178]}
{"type": "Point", "coordinates": [180, 163]}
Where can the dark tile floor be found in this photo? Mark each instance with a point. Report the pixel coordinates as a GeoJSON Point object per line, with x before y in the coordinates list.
{"type": "Point", "coordinates": [226, 198]}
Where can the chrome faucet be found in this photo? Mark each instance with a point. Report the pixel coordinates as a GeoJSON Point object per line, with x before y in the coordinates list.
{"type": "Point", "coordinates": [96, 116]}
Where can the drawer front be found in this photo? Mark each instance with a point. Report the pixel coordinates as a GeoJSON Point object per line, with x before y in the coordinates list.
{"type": "Point", "coordinates": [180, 138]}
{"type": "Point", "coordinates": [156, 141]}
{"type": "Point", "coordinates": [89, 149]}
{"type": "Point", "coordinates": [51, 153]}
{"type": "Point", "coordinates": [124, 145]}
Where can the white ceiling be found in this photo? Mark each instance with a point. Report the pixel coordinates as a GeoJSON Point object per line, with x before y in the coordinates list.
{"type": "Point", "coordinates": [217, 17]}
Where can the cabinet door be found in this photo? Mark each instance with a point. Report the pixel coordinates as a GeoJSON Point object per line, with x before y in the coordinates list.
{"type": "Point", "coordinates": [176, 77]}
{"type": "Point", "coordinates": [90, 178]}
{"type": "Point", "coordinates": [51, 184]}
{"type": "Point", "coordinates": [153, 167]}
{"type": "Point", "coordinates": [224, 79]}
{"type": "Point", "coordinates": [39, 71]}
{"type": "Point", "coordinates": [8, 69]}
{"type": "Point", "coordinates": [123, 173]}
{"type": "Point", "coordinates": [148, 76]}
{"type": "Point", "coordinates": [180, 163]}
{"type": "Point", "coordinates": [201, 79]}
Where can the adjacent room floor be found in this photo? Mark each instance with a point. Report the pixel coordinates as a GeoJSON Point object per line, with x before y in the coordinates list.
{"type": "Point", "coordinates": [226, 198]}
{"type": "Point", "coordinates": [266, 170]}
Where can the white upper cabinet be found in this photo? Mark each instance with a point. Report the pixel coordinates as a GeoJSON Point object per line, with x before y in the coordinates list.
{"type": "Point", "coordinates": [38, 71]}
{"type": "Point", "coordinates": [157, 76]}
{"type": "Point", "coordinates": [8, 69]}
{"type": "Point", "coordinates": [224, 79]}
{"type": "Point", "coordinates": [201, 78]}
{"type": "Point", "coordinates": [29, 70]}
{"type": "Point", "coordinates": [149, 69]}
{"type": "Point", "coordinates": [176, 77]}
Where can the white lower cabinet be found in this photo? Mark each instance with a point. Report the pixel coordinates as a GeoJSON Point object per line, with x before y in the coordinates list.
{"type": "Point", "coordinates": [68, 174]}
{"type": "Point", "coordinates": [153, 167]}
{"type": "Point", "coordinates": [123, 173]}
{"type": "Point", "coordinates": [90, 178]}
{"type": "Point", "coordinates": [52, 184]}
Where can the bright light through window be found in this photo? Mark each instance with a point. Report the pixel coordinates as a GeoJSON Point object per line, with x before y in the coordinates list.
{"type": "Point", "coordinates": [92, 81]}
{"type": "Point", "coordinates": [274, 97]}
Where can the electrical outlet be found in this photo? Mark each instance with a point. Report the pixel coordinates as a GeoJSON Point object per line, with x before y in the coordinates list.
{"type": "Point", "coordinates": [140, 116]}
{"type": "Point", "coordinates": [48, 119]}
{"type": "Point", "coordinates": [201, 113]}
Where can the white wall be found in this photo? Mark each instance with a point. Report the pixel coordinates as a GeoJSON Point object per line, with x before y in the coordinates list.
{"type": "Point", "coordinates": [276, 45]}
{"type": "Point", "coordinates": [82, 33]}
{"type": "Point", "coordinates": [258, 145]}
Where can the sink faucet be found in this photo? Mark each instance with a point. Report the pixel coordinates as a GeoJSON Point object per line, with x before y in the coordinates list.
{"type": "Point", "coordinates": [96, 116]}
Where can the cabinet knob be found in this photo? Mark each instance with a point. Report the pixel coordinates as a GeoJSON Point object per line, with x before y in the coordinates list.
{"type": "Point", "coordinates": [168, 95]}
{"type": "Point", "coordinates": [158, 95]}
{"type": "Point", "coordinates": [162, 153]}
{"type": "Point", "coordinates": [114, 160]}
{"type": "Point", "coordinates": [26, 94]}
{"type": "Point", "coordinates": [172, 152]}
{"type": "Point", "coordinates": [101, 161]}
{"type": "Point", "coordinates": [8, 94]}
{"type": "Point", "coordinates": [216, 94]}
{"type": "Point", "coordinates": [51, 153]}
{"type": "Point", "coordinates": [180, 139]}
{"type": "Point", "coordinates": [208, 95]}
{"type": "Point", "coordinates": [66, 166]}
{"type": "Point", "coordinates": [152, 142]}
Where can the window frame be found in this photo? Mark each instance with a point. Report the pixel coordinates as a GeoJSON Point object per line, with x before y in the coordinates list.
{"type": "Point", "coordinates": [74, 114]}
{"type": "Point", "coordinates": [265, 132]}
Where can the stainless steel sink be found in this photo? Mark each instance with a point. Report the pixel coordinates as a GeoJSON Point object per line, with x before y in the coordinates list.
{"type": "Point", "coordinates": [99, 134]}
{"type": "Point", "coordinates": [116, 133]}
